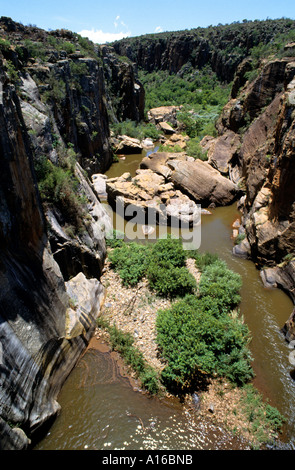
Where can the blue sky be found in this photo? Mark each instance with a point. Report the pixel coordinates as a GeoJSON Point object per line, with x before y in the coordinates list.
{"type": "Point", "coordinates": [106, 20]}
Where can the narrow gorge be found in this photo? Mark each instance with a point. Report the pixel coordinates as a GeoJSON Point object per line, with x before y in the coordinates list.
{"type": "Point", "coordinates": [63, 104]}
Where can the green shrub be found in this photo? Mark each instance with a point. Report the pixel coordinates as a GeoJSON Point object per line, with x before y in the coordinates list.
{"type": "Point", "coordinates": [4, 45]}
{"type": "Point", "coordinates": [115, 239]}
{"type": "Point", "coordinates": [191, 124]}
{"type": "Point", "coordinates": [221, 284]}
{"type": "Point", "coordinates": [130, 261]}
{"type": "Point", "coordinates": [262, 417]}
{"type": "Point", "coordinates": [194, 149]}
{"type": "Point", "coordinates": [204, 259]}
{"type": "Point", "coordinates": [136, 130]}
{"type": "Point", "coordinates": [78, 68]}
{"type": "Point", "coordinates": [59, 187]}
{"type": "Point", "coordinates": [168, 250]}
{"type": "Point", "coordinates": [166, 271]}
{"type": "Point", "coordinates": [169, 280]}
{"type": "Point", "coordinates": [195, 342]}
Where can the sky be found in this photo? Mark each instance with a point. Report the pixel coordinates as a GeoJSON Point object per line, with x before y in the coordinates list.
{"type": "Point", "coordinates": [107, 20]}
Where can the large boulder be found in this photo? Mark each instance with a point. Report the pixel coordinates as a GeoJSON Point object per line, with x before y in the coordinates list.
{"type": "Point", "coordinates": [128, 145]}
{"type": "Point", "coordinates": [202, 183]}
{"type": "Point", "coordinates": [195, 178]}
{"type": "Point", "coordinates": [221, 150]}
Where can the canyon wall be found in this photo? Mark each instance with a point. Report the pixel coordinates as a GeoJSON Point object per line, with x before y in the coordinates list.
{"type": "Point", "coordinates": [55, 112]}
{"type": "Point", "coordinates": [221, 47]}
{"type": "Point", "coordinates": [37, 348]}
{"type": "Point", "coordinates": [256, 148]}
{"type": "Point", "coordinates": [59, 94]}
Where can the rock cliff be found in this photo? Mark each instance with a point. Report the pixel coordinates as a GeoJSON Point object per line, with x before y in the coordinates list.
{"type": "Point", "coordinates": [54, 121]}
{"type": "Point", "coordinates": [38, 349]}
{"type": "Point", "coordinates": [255, 146]}
{"type": "Point", "coordinates": [221, 47]}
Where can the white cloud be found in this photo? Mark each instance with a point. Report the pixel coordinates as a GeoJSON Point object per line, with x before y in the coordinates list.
{"type": "Point", "coordinates": [159, 29]}
{"type": "Point", "coordinates": [116, 21]}
{"type": "Point", "coordinates": [100, 37]}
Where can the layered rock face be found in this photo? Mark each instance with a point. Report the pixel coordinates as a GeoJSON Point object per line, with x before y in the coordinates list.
{"type": "Point", "coordinates": [126, 91]}
{"type": "Point", "coordinates": [256, 136]}
{"type": "Point", "coordinates": [50, 293]}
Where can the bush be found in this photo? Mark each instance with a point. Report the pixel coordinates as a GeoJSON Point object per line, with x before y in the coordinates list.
{"type": "Point", "coordinates": [136, 130]}
{"type": "Point", "coordinates": [222, 285]}
{"type": "Point", "coordinates": [169, 280]}
{"type": "Point", "coordinates": [168, 250]}
{"type": "Point", "coordinates": [261, 416]}
{"type": "Point", "coordinates": [195, 150]}
{"type": "Point", "coordinates": [195, 342]}
{"type": "Point", "coordinates": [204, 259]}
{"type": "Point", "coordinates": [115, 239]}
{"type": "Point", "coordinates": [123, 343]}
{"type": "Point", "coordinates": [59, 187]}
{"type": "Point", "coordinates": [130, 261]}
{"type": "Point", "coordinates": [166, 272]}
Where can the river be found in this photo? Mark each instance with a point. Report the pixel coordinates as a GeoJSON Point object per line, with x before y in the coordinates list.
{"type": "Point", "coordinates": [101, 410]}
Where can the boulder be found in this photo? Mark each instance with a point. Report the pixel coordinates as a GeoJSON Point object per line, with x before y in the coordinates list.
{"type": "Point", "coordinates": [202, 183]}
{"type": "Point", "coordinates": [85, 298]}
{"type": "Point", "coordinates": [128, 145]}
{"type": "Point", "coordinates": [289, 327]}
{"type": "Point", "coordinates": [177, 140]}
{"type": "Point", "coordinates": [157, 162]}
{"type": "Point", "coordinates": [198, 179]}
{"type": "Point", "coordinates": [99, 185]}
{"type": "Point", "coordinates": [147, 143]}
{"type": "Point", "coordinates": [163, 113]}
{"type": "Point", "coordinates": [166, 128]}
{"type": "Point", "coordinates": [221, 150]}
{"type": "Point", "coordinates": [242, 250]}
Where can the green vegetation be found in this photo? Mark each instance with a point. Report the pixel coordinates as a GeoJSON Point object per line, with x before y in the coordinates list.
{"type": "Point", "coordinates": [263, 418]}
{"type": "Point", "coordinates": [136, 130]}
{"type": "Point", "coordinates": [12, 72]}
{"type": "Point", "coordinates": [4, 45]}
{"type": "Point", "coordinates": [56, 90]}
{"type": "Point", "coordinates": [222, 285]}
{"type": "Point", "coordinates": [163, 264]}
{"type": "Point", "coordinates": [196, 341]}
{"type": "Point", "coordinates": [130, 261]}
{"type": "Point", "coordinates": [194, 149]}
{"type": "Point", "coordinates": [58, 186]}
{"type": "Point", "coordinates": [123, 344]}
{"type": "Point", "coordinates": [166, 272]}
{"type": "Point", "coordinates": [199, 334]}
{"type": "Point", "coordinates": [198, 91]}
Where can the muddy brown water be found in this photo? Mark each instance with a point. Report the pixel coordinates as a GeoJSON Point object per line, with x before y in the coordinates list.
{"type": "Point", "coordinates": [101, 410]}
